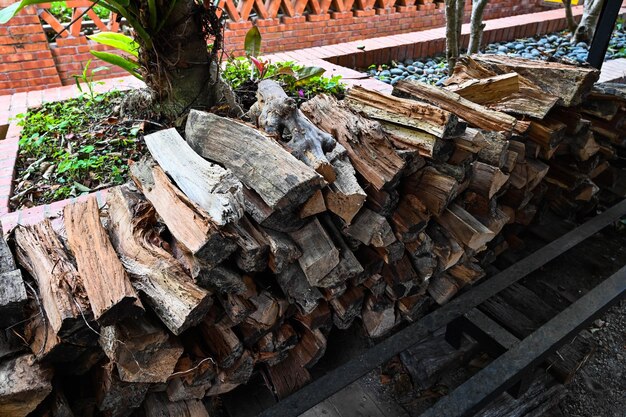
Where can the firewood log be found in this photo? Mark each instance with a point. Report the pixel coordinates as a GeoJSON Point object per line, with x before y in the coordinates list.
{"type": "Point", "coordinates": [414, 307]}
{"type": "Point", "coordinates": [314, 205]}
{"type": "Point", "coordinates": [297, 288]}
{"type": "Point", "coordinates": [210, 186]}
{"type": "Point", "coordinates": [436, 121]}
{"type": "Point", "coordinates": [110, 293]}
{"type": "Point", "coordinates": [283, 250]}
{"type": "Point", "coordinates": [281, 220]}
{"type": "Point", "coordinates": [370, 228]}
{"type": "Point", "coordinates": [223, 279]}
{"type": "Point", "coordinates": [61, 287]}
{"type": "Point", "coordinates": [379, 316]}
{"type": "Point", "coordinates": [383, 202]}
{"type": "Point", "coordinates": [488, 89]}
{"type": "Point", "coordinates": [434, 189]}
{"type": "Point", "coordinates": [409, 219]}
{"type": "Point", "coordinates": [465, 228]}
{"type": "Point", "coordinates": [319, 254]}
{"type": "Point", "coordinates": [223, 344]}
{"type": "Point", "coordinates": [280, 180]}
{"type": "Point", "coordinates": [231, 378]}
{"type": "Point", "coordinates": [348, 267]}
{"type": "Point", "coordinates": [262, 320]}
{"type": "Point", "coordinates": [275, 112]}
{"type": "Point", "coordinates": [569, 82]}
{"type": "Point", "coordinates": [344, 197]}
{"type": "Point", "coordinates": [191, 379]}
{"type": "Point", "coordinates": [366, 144]}
{"type": "Point", "coordinates": [310, 347]}
{"type": "Point", "coordinates": [189, 223]}
{"type": "Point", "coordinates": [142, 351]}
{"type": "Point", "coordinates": [320, 318]}
{"type": "Point", "coordinates": [426, 144]}
{"type": "Point", "coordinates": [494, 152]}
{"type": "Point", "coordinates": [13, 296]}
{"type": "Point", "coordinates": [486, 179]}
{"type": "Point", "coordinates": [168, 290]}
{"type": "Point", "coordinates": [252, 255]}
{"type": "Point", "coordinates": [24, 384]}
{"type": "Point", "coordinates": [475, 114]}
{"type": "Point", "coordinates": [157, 405]}
{"type": "Point", "coordinates": [288, 376]}
{"type": "Point", "coordinates": [445, 247]}
{"type": "Point", "coordinates": [114, 397]}
{"type": "Point", "coordinates": [347, 307]}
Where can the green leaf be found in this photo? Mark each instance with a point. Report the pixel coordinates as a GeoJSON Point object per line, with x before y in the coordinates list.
{"type": "Point", "coordinates": [80, 187]}
{"type": "Point", "coordinates": [117, 40]}
{"type": "Point", "coordinates": [124, 63]}
{"type": "Point", "coordinates": [307, 73]}
{"type": "Point", "coordinates": [8, 12]}
{"type": "Point", "coordinates": [252, 43]}
{"type": "Point", "coordinates": [152, 9]}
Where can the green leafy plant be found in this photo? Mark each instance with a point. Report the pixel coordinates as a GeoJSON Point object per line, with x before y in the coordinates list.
{"type": "Point", "coordinates": [123, 43]}
{"type": "Point", "coordinates": [87, 78]}
{"type": "Point", "coordinates": [61, 11]}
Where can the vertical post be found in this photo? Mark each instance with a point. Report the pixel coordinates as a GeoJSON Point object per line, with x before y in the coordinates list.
{"type": "Point", "coordinates": [602, 35]}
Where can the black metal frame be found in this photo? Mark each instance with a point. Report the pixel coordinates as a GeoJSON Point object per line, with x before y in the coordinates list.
{"type": "Point", "coordinates": [340, 377]}
{"type": "Point", "coordinates": [602, 35]}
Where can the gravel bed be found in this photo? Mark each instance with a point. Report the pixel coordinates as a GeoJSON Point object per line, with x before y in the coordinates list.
{"type": "Point", "coordinates": [551, 46]}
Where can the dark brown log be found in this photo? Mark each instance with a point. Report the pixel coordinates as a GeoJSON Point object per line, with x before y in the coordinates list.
{"type": "Point", "coordinates": [310, 348]}
{"type": "Point", "coordinates": [434, 189]}
{"type": "Point", "coordinates": [446, 248]}
{"type": "Point", "coordinates": [253, 248]}
{"type": "Point", "coordinates": [472, 140]}
{"type": "Point", "coordinates": [114, 397]}
{"type": "Point", "coordinates": [262, 320]}
{"type": "Point", "coordinates": [276, 114]}
{"type": "Point", "coordinates": [156, 274]}
{"type": "Point", "coordinates": [370, 228]}
{"type": "Point", "coordinates": [423, 256]}
{"type": "Point", "coordinates": [475, 114]}
{"type": "Point", "coordinates": [236, 307]}
{"type": "Point", "coordinates": [288, 376]}
{"type": "Point", "coordinates": [157, 405]}
{"type": "Point", "coordinates": [319, 254]}
{"type": "Point", "coordinates": [24, 384]}
{"type": "Point", "coordinates": [61, 288]}
{"type": "Point", "coordinates": [486, 179]}
{"type": "Point", "coordinates": [110, 293]}
{"type": "Point", "coordinates": [414, 307]}
{"type": "Point", "coordinates": [401, 278]}
{"type": "Point", "coordinates": [379, 316]}
{"type": "Point", "coordinates": [231, 378]}
{"type": "Point", "coordinates": [569, 82]}
{"type": "Point", "coordinates": [142, 351]}
{"type": "Point", "coordinates": [383, 202]}
{"type": "Point", "coordinates": [210, 186]}
{"type": "Point", "coordinates": [279, 179]}
{"type": "Point", "coordinates": [223, 344]}
{"type": "Point", "coordinates": [365, 141]}
{"type": "Point", "coordinates": [344, 197]}
{"type": "Point", "coordinates": [223, 279]}
{"type": "Point", "coordinates": [408, 113]}
{"type": "Point", "coordinates": [265, 216]}
{"type": "Point", "coordinates": [297, 288]}
{"type": "Point", "coordinates": [409, 219]}
{"type": "Point", "coordinates": [189, 223]}
{"type": "Point", "coordinates": [347, 307]}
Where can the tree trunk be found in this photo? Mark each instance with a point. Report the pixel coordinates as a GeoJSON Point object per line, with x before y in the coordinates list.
{"type": "Point", "coordinates": [477, 26]}
{"type": "Point", "coordinates": [452, 42]}
{"type": "Point", "coordinates": [587, 26]}
{"type": "Point", "coordinates": [571, 23]}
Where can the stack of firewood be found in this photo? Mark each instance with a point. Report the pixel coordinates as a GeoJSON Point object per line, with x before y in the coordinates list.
{"type": "Point", "coordinates": [238, 248]}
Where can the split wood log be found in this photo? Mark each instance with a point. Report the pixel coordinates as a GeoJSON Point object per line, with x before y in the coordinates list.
{"type": "Point", "coordinates": [283, 250]}
{"type": "Point", "coordinates": [379, 316]}
{"type": "Point", "coordinates": [156, 274]}
{"type": "Point", "coordinates": [414, 307]}
{"type": "Point", "coordinates": [314, 205]}
{"type": "Point", "coordinates": [24, 384]}
{"type": "Point", "coordinates": [370, 228]}
{"type": "Point", "coordinates": [427, 144]}
{"type": "Point", "coordinates": [297, 288]}
{"type": "Point", "coordinates": [489, 89]}
{"type": "Point", "coordinates": [445, 247]}
{"type": "Point", "coordinates": [348, 267]}
{"type": "Point", "coordinates": [310, 347]}
{"type": "Point", "coordinates": [569, 82]}
{"type": "Point", "coordinates": [231, 378]}
{"type": "Point", "coordinates": [141, 350]}
{"type": "Point", "coordinates": [13, 297]}
{"type": "Point", "coordinates": [475, 114]}
{"type": "Point", "coordinates": [408, 113]}
{"type": "Point", "coordinates": [320, 318]}
{"type": "Point", "coordinates": [434, 189]}
{"type": "Point", "coordinates": [222, 278]}
{"type": "Point", "coordinates": [189, 223]}
{"type": "Point", "coordinates": [465, 228]}
{"type": "Point", "coordinates": [365, 141]}
{"type": "Point", "coordinates": [210, 186]}
{"type": "Point", "coordinates": [344, 197]}
{"type": "Point", "coordinates": [280, 180]}
{"type": "Point", "coordinates": [222, 343]}
{"type": "Point", "coordinates": [279, 116]}
{"type": "Point", "coordinates": [288, 376]}
{"type": "Point", "coordinates": [191, 378]}
{"type": "Point", "coordinates": [114, 397]}
{"type": "Point", "coordinates": [486, 179]}
{"type": "Point", "coordinates": [61, 288]}
{"type": "Point", "coordinates": [382, 202]}
{"type": "Point", "coordinates": [106, 283]}
{"type": "Point", "coordinates": [281, 220]}
{"type": "Point", "coordinates": [472, 140]}
{"type": "Point", "coordinates": [157, 405]}
{"type": "Point", "coordinates": [409, 219]}
{"type": "Point", "coordinates": [253, 249]}
{"type": "Point", "coordinates": [347, 307]}
{"type": "Point", "coordinates": [266, 315]}
{"type": "Point", "coordinates": [319, 254]}
{"type": "Point", "coordinates": [495, 151]}
{"type": "Point", "coordinates": [236, 307]}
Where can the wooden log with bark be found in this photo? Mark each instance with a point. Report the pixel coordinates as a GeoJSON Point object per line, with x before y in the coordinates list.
{"type": "Point", "coordinates": [24, 384]}
{"type": "Point", "coordinates": [280, 180]}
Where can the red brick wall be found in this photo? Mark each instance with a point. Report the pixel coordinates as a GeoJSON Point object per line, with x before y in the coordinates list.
{"type": "Point", "coordinates": [29, 62]}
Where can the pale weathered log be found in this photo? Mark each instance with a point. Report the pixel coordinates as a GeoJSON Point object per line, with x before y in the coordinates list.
{"type": "Point", "coordinates": [408, 113]}
{"type": "Point", "coordinates": [110, 292]}
{"type": "Point", "coordinates": [253, 249]}
{"type": "Point", "coordinates": [319, 254]}
{"type": "Point", "coordinates": [13, 297]}
{"type": "Point", "coordinates": [189, 223]}
{"type": "Point", "coordinates": [486, 179]}
{"type": "Point", "coordinates": [155, 273]}
{"type": "Point", "coordinates": [61, 289]}
{"type": "Point", "coordinates": [370, 228]}
{"type": "Point", "coordinates": [365, 141]}
{"type": "Point", "coordinates": [427, 144]}
{"type": "Point", "coordinates": [24, 383]}
{"type": "Point", "coordinates": [494, 152]}
{"type": "Point", "coordinates": [210, 186]}
{"type": "Point", "coordinates": [280, 179]}
{"type": "Point", "coordinates": [279, 116]}
{"type": "Point", "coordinates": [344, 197]}
{"type": "Point", "coordinates": [157, 405]}
{"type": "Point", "coordinates": [142, 351]}
{"type": "Point", "coordinates": [570, 83]}
{"type": "Point", "coordinates": [475, 114]}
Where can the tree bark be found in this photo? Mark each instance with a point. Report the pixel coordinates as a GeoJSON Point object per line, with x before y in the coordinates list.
{"type": "Point", "coordinates": [476, 25]}
{"type": "Point", "coordinates": [452, 42]}
{"type": "Point", "coordinates": [587, 25]}
{"type": "Point", "coordinates": [571, 23]}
